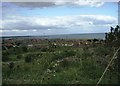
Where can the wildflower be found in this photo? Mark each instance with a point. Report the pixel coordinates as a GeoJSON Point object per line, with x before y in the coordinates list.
{"type": "Point", "coordinates": [49, 71]}
{"type": "Point", "coordinates": [56, 64]}
{"type": "Point", "coordinates": [65, 44]}
{"type": "Point", "coordinates": [58, 61]}
{"type": "Point", "coordinates": [28, 75]}
{"type": "Point", "coordinates": [24, 80]}
{"type": "Point", "coordinates": [53, 75]}
{"type": "Point", "coordinates": [54, 71]}
{"type": "Point", "coordinates": [55, 44]}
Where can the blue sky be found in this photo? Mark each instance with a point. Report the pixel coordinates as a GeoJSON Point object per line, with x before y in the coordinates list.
{"type": "Point", "coordinates": [57, 18]}
{"type": "Point", "coordinates": [107, 9]}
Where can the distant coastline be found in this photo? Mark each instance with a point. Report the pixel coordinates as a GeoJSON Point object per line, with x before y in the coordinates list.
{"type": "Point", "coordinates": [63, 36]}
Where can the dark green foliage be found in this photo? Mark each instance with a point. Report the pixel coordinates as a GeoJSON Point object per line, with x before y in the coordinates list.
{"type": "Point", "coordinates": [44, 49]}
{"type": "Point", "coordinates": [24, 49]}
{"type": "Point", "coordinates": [106, 36]}
{"type": "Point", "coordinates": [28, 59]}
{"type": "Point", "coordinates": [4, 48]}
{"type": "Point", "coordinates": [65, 63]}
{"type": "Point", "coordinates": [64, 54]}
{"type": "Point", "coordinates": [113, 38]}
{"type": "Point", "coordinates": [19, 56]}
{"type": "Point", "coordinates": [11, 65]}
{"type": "Point", "coordinates": [95, 40]}
{"type": "Point", "coordinates": [86, 54]}
{"type": "Point", "coordinates": [5, 56]}
{"type": "Point", "coordinates": [68, 53]}
{"type": "Point", "coordinates": [104, 50]}
{"type": "Point", "coordinates": [58, 65]}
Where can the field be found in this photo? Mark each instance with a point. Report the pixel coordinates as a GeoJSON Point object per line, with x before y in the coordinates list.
{"type": "Point", "coordinates": [57, 61]}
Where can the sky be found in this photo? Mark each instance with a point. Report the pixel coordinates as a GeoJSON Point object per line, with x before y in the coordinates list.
{"type": "Point", "coordinates": [57, 17]}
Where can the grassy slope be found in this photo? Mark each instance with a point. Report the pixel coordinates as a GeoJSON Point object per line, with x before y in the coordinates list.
{"type": "Point", "coordinates": [65, 65]}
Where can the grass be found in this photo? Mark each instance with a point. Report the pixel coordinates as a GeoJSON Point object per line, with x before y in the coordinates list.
{"type": "Point", "coordinates": [64, 65]}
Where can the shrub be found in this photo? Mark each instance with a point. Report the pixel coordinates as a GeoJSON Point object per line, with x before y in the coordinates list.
{"type": "Point", "coordinates": [24, 49]}
{"type": "Point", "coordinates": [113, 38]}
{"type": "Point", "coordinates": [95, 40]}
{"type": "Point", "coordinates": [86, 54]}
{"type": "Point", "coordinates": [44, 49]}
{"type": "Point", "coordinates": [64, 63]}
{"type": "Point", "coordinates": [31, 56]}
{"type": "Point", "coordinates": [68, 53]}
{"type": "Point", "coordinates": [63, 54]}
{"type": "Point", "coordinates": [103, 51]}
{"type": "Point", "coordinates": [11, 65]}
{"type": "Point", "coordinates": [5, 58]}
{"type": "Point", "coordinates": [19, 56]}
{"type": "Point", "coordinates": [28, 59]}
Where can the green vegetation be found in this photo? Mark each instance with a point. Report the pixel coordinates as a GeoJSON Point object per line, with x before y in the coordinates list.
{"type": "Point", "coordinates": [50, 62]}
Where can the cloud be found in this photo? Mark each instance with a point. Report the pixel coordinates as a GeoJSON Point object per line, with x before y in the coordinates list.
{"type": "Point", "coordinates": [33, 4]}
{"type": "Point", "coordinates": [57, 22]}
{"type": "Point", "coordinates": [49, 0]}
{"type": "Point", "coordinates": [51, 3]}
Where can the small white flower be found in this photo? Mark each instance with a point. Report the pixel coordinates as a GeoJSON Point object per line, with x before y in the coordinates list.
{"type": "Point", "coordinates": [115, 57]}
{"type": "Point", "coordinates": [58, 61]}
{"type": "Point", "coordinates": [24, 80]}
{"type": "Point", "coordinates": [54, 71]}
{"type": "Point", "coordinates": [55, 44]}
{"type": "Point", "coordinates": [48, 70]}
{"type": "Point", "coordinates": [56, 64]}
{"type": "Point", "coordinates": [28, 75]}
{"type": "Point", "coordinates": [53, 75]}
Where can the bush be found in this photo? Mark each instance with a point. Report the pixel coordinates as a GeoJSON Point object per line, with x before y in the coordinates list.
{"type": "Point", "coordinates": [64, 54]}
{"type": "Point", "coordinates": [19, 56]}
{"type": "Point", "coordinates": [24, 49]}
{"type": "Point", "coordinates": [44, 49]}
{"type": "Point", "coordinates": [103, 51]}
{"type": "Point", "coordinates": [65, 63]}
{"type": "Point", "coordinates": [31, 56]}
{"type": "Point", "coordinates": [68, 53]}
{"type": "Point", "coordinates": [113, 38]}
{"type": "Point", "coordinates": [11, 65]}
{"type": "Point", "coordinates": [28, 59]}
{"type": "Point", "coordinates": [5, 58]}
{"type": "Point", "coordinates": [86, 54]}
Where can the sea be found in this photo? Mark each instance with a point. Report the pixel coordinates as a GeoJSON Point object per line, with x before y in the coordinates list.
{"type": "Point", "coordinates": [63, 36]}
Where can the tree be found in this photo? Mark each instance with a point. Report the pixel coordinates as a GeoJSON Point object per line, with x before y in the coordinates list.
{"type": "Point", "coordinates": [111, 29]}
{"type": "Point", "coordinates": [113, 38]}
